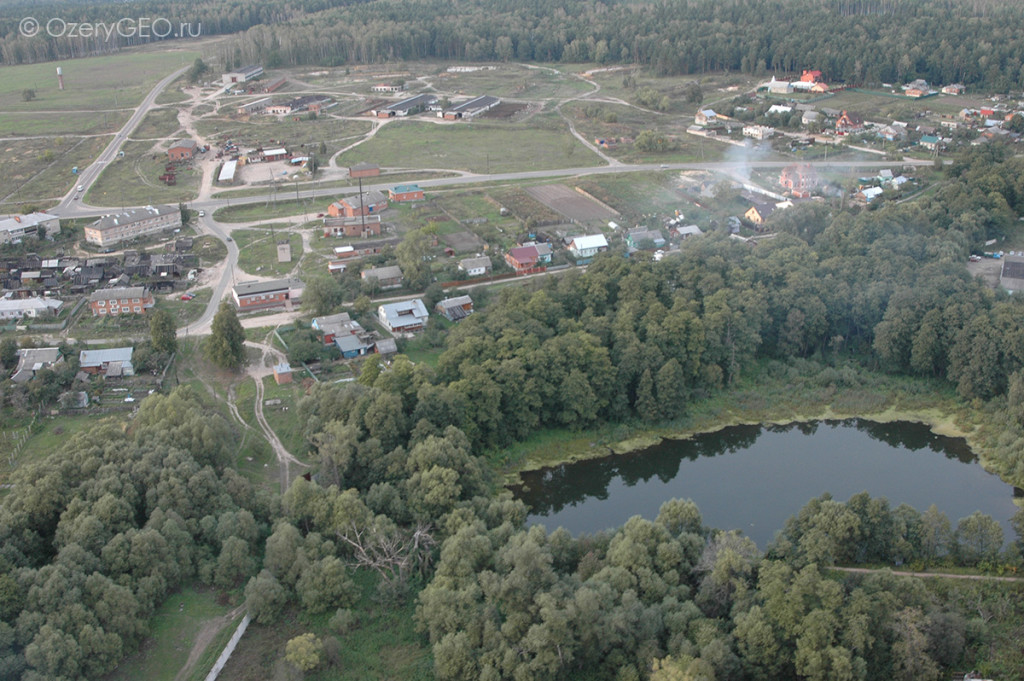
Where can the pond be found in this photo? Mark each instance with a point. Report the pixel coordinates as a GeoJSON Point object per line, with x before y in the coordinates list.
{"type": "Point", "coordinates": [752, 478]}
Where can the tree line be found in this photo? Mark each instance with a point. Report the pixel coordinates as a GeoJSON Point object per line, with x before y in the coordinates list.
{"type": "Point", "coordinates": [942, 41]}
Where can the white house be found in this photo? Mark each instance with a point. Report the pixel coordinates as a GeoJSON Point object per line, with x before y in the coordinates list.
{"type": "Point", "coordinates": [583, 247]}
{"type": "Point", "coordinates": [403, 317]}
{"type": "Point", "coordinates": [29, 307]}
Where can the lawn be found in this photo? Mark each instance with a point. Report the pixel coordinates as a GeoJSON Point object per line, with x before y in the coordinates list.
{"type": "Point", "coordinates": [158, 123]}
{"type": "Point", "coordinates": [282, 208]}
{"type": "Point", "coordinates": [133, 179]}
{"type": "Point", "coordinates": [66, 123]}
{"type": "Point", "coordinates": [39, 170]}
{"type": "Point", "coordinates": [185, 311]}
{"type": "Point", "coordinates": [115, 81]}
{"type": "Point", "coordinates": [636, 193]}
{"type": "Point", "coordinates": [513, 80]}
{"type": "Point", "coordinates": [479, 146]}
{"type": "Point", "coordinates": [258, 250]}
{"type": "Point", "coordinates": [210, 250]}
{"type": "Point", "coordinates": [282, 418]}
{"type": "Point", "coordinates": [173, 631]}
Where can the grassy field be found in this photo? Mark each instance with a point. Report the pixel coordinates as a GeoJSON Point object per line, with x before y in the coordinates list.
{"type": "Point", "coordinates": [158, 123]}
{"type": "Point", "coordinates": [282, 208]}
{"type": "Point", "coordinates": [258, 250]}
{"type": "Point", "coordinates": [282, 418]}
{"type": "Point", "coordinates": [94, 83]}
{"type": "Point", "coordinates": [481, 146]}
{"type": "Point", "coordinates": [513, 80]}
{"type": "Point", "coordinates": [383, 646]}
{"type": "Point", "coordinates": [132, 180]}
{"type": "Point", "coordinates": [39, 170]}
{"type": "Point", "coordinates": [636, 193]}
{"type": "Point", "coordinates": [185, 311]}
{"type": "Point", "coordinates": [174, 629]}
{"type": "Point", "coordinates": [61, 123]}
{"type": "Point", "coordinates": [48, 435]}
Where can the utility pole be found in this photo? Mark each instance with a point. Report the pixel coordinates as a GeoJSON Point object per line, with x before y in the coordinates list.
{"type": "Point", "coordinates": [362, 210]}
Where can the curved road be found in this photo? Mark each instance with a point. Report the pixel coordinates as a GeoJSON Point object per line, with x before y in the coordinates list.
{"type": "Point", "coordinates": [86, 178]}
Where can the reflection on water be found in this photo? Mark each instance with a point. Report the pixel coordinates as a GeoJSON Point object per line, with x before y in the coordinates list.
{"type": "Point", "coordinates": [754, 477]}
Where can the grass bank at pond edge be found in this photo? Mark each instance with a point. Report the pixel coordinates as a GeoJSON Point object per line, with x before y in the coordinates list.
{"type": "Point", "coordinates": [775, 394]}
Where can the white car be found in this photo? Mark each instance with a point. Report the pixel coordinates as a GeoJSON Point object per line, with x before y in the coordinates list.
{"type": "Point", "coordinates": [202, 213]}
{"type": "Point", "coordinates": [81, 187]}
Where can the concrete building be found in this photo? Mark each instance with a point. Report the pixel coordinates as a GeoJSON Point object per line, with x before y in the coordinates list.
{"type": "Point", "coordinates": [470, 109]}
{"type": "Point", "coordinates": [262, 295]}
{"type": "Point", "coordinates": [182, 150]}
{"type": "Point", "coordinates": [368, 203]}
{"type": "Point", "coordinates": [405, 192]}
{"type": "Point", "coordinates": [121, 301]}
{"type": "Point", "coordinates": [242, 75]}
{"type": "Point", "coordinates": [132, 224]}
{"type": "Point", "coordinates": [16, 227]}
{"type": "Point", "coordinates": [364, 170]}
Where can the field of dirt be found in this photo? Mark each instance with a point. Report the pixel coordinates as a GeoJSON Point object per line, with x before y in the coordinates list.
{"type": "Point", "coordinates": [571, 204]}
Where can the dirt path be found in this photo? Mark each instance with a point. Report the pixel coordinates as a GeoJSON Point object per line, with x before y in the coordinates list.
{"type": "Point", "coordinates": [258, 372]}
{"type": "Point", "coordinates": [206, 634]}
{"type": "Point", "coordinates": [947, 575]}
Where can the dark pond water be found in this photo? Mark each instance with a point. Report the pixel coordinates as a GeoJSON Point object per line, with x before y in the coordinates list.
{"type": "Point", "coordinates": [752, 478]}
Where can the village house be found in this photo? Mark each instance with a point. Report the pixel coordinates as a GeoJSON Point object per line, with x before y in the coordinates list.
{"type": "Point", "coordinates": [644, 238]}
{"type": "Point", "coordinates": [810, 76]}
{"type": "Point", "coordinates": [33, 308]}
{"type": "Point", "coordinates": [33, 360]}
{"type": "Point", "coordinates": [810, 118]}
{"type": "Point", "coordinates": [953, 89]}
{"type": "Point", "coordinates": [407, 316]}
{"type": "Point", "coordinates": [849, 123]}
{"type": "Point", "coordinates": [345, 334]}
{"type": "Point", "coordinates": [120, 301]}
{"type": "Point", "coordinates": [930, 142]}
{"type": "Point", "coordinates": [386, 277]}
{"type": "Point", "coordinates": [111, 363]}
{"type": "Point", "coordinates": [800, 179]}
{"type": "Point", "coordinates": [779, 87]}
{"type": "Point", "coordinates": [476, 267]}
{"type": "Point", "coordinates": [282, 373]}
{"type": "Point", "coordinates": [758, 213]}
{"type": "Point", "coordinates": [583, 248]}
{"type": "Point", "coordinates": [405, 192]}
{"type": "Point", "coordinates": [182, 150]}
{"type": "Point", "coordinates": [758, 132]}
{"type": "Point", "coordinates": [454, 309]}
{"type": "Point", "coordinates": [262, 295]}
{"type": "Point", "coordinates": [16, 227]}
{"type": "Point", "coordinates": [706, 117]}
{"type": "Point", "coordinates": [868, 194]}
{"type": "Point", "coordinates": [132, 224]}
{"type": "Point", "coordinates": [368, 203]}
{"type": "Point", "coordinates": [526, 257]}
{"type": "Point", "coordinates": [683, 232]}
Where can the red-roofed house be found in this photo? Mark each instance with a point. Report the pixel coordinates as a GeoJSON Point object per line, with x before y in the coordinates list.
{"type": "Point", "coordinates": [810, 77]}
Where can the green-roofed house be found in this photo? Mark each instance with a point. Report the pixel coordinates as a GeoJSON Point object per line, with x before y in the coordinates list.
{"type": "Point", "coordinates": [930, 142]}
{"type": "Point", "coordinates": [405, 192]}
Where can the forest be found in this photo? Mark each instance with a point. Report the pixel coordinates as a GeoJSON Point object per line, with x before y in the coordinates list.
{"type": "Point", "coordinates": [858, 42]}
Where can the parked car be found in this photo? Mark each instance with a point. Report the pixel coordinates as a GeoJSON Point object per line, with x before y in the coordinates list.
{"type": "Point", "coordinates": [188, 296]}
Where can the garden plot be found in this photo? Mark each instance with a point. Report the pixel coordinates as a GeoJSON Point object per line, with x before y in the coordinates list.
{"type": "Point", "coordinates": [572, 204]}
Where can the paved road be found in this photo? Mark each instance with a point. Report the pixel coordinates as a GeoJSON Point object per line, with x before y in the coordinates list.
{"type": "Point", "coordinates": [86, 178]}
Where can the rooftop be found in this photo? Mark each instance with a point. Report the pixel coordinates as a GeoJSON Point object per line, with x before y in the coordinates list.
{"type": "Point", "coordinates": [248, 288]}
{"type": "Point", "coordinates": [95, 358]}
{"type": "Point", "coordinates": [130, 216]}
{"type": "Point", "coordinates": [119, 293]}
